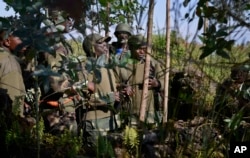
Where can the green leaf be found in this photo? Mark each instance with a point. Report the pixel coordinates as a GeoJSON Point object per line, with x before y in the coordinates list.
{"type": "Point", "coordinates": [198, 11]}
{"type": "Point", "coordinates": [202, 2]}
{"type": "Point", "coordinates": [223, 54]}
{"type": "Point", "coordinates": [209, 11]}
{"type": "Point", "coordinates": [4, 23]}
{"type": "Point", "coordinates": [185, 3]}
{"type": "Point", "coordinates": [248, 7]}
{"type": "Point", "coordinates": [103, 3]}
{"type": "Point", "coordinates": [200, 23]}
{"type": "Point", "coordinates": [206, 52]}
{"type": "Point", "coordinates": [43, 71]}
{"type": "Point", "coordinates": [227, 120]}
{"type": "Point", "coordinates": [236, 120]}
{"type": "Point", "coordinates": [229, 45]}
{"type": "Point", "coordinates": [212, 29]}
{"type": "Point", "coordinates": [221, 33]}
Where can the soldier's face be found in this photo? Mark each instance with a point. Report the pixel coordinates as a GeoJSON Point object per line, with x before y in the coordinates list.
{"type": "Point", "coordinates": [141, 52]}
{"type": "Point", "coordinates": [13, 42]}
{"type": "Point", "coordinates": [122, 36]}
{"type": "Point", "coordinates": [68, 25]}
{"type": "Point", "coordinates": [101, 48]}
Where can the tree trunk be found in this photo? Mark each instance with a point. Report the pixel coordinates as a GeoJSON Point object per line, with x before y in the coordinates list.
{"type": "Point", "coordinates": [167, 66]}
{"type": "Point", "coordinates": [205, 24]}
{"type": "Point", "coordinates": [147, 62]}
{"type": "Point", "coordinates": [106, 25]}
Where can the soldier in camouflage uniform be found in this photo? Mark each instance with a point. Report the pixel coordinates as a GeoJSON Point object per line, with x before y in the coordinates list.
{"type": "Point", "coordinates": [233, 99]}
{"type": "Point", "coordinates": [11, 81]}
{"type": "Point", "coordinates": [58, 108]}
{"type": "Point", "coordinates": [98, 115]}
{"type": "Point", "coordinates": [233, 94]}
{"type": "Point", "coordinates": [122, 32]}
{"type": "Point", "coordinates": [12, 88]}
{"type": "Point", "coordinates": [133, 74]}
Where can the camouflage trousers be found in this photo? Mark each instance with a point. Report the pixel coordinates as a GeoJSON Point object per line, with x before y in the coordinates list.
{"type": "Point", "coordinates": [151, 118]}
{"type": "Point", "coordinates": [56, 122]}
{"type": "Point", "coordinates": [95, 129]}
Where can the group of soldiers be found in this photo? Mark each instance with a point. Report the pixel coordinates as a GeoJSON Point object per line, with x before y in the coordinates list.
{"type": "Point", "coordinates": [117, 96]}
{"type": "Point", "coordinates": [105, 98]}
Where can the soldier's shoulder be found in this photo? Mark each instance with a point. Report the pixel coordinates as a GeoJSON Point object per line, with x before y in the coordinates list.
{"type": "Point", "coordinates": [2, 50]}
{"type": "Point", "coordinates": [155, 61]}
{"type": "Point", "coordinates": [4, 53]}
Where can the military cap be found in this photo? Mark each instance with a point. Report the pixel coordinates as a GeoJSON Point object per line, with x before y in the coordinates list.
{"type": "Point", "coordinates": [123, 27]}
{"type": "Point", "coordinates": [241, 67]}
{"type": "Point", "coordinates": [137, 41]}
{"type": "Point", "coordinates": [92, 39]}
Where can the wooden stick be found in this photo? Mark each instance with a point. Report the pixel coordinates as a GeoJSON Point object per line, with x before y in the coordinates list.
{"type": "Point", "coordinates": [166, 81]}
{"type": "Point", "coordinates": [147, 62]}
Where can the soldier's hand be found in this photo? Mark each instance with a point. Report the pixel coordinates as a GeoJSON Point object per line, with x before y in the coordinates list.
{"type": "Point", "coordinates": [117, 96]}
{"type": "Point", "coordinates": [128, 90]}
{"type": "Point", "coordinates": [91, 86]}
{"type": "Point", "coordinates": [153, 83]}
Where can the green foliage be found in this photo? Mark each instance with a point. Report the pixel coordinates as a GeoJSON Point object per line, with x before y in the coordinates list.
{"type": "Point", "coordinates": [20, 135]}
{"type": "Point", "coordinates": [176, 46]}
{"type": "Point", "coordinates": [215, 41]}
{"type": "Point", "coordinates": [224, 18]}
{"type": "Point", "coordinates": [59, 146]}
{"type": "Point", "coordinates": [122, 11]}
{"type": "Point", "coordinates": [14, 135]}
{"type": "Point", "coordinates": [234, 122]}
{"type": "Point", "coordinates": [104, 148]}
{"type": "Point", "coordinates": [94, 65]}
{"type": "Point", "coordinates": [131, 140]}
{"type": "Point", "coordinates": [65, 145]}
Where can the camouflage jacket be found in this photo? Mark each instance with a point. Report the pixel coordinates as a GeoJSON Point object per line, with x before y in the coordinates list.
{"type": "Point", "coordinates": [133, 75]}
{"type": "Point", "coordinates": [102, 100]}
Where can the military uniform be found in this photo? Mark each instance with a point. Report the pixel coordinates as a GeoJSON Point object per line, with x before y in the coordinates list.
{"type": "Point", "coordinates": [98, 115]}
{"type": "Point", "coordinates": [11, 81]}
{"type": "Point", "coordinates": [133, 75]}
{"type": "Point", "coordinates": [61, 117]}
{"type": "Point", "coordinates": [58, 119]}
{"type": "Point", "coordinates": [122, 32]}
{"type": "Point", "coordinates": [233, 94]}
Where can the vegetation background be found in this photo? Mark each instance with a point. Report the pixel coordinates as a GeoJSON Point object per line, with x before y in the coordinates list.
{"type": "Point", "coordinates": [207, 56]}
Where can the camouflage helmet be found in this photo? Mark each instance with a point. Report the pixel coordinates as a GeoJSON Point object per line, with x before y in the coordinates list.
{"type": "Point", "coordinates": [92, 39]}
{"type": "Point", "coordinates": [137, 41]}
{"type": "Point", "coordinates": [123, 27]}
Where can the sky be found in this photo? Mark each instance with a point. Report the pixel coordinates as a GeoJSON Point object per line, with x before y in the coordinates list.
{"type": "Point", "coordinates": [186, 30]}
{"type": "Point", "coordinates": [159, 13]}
